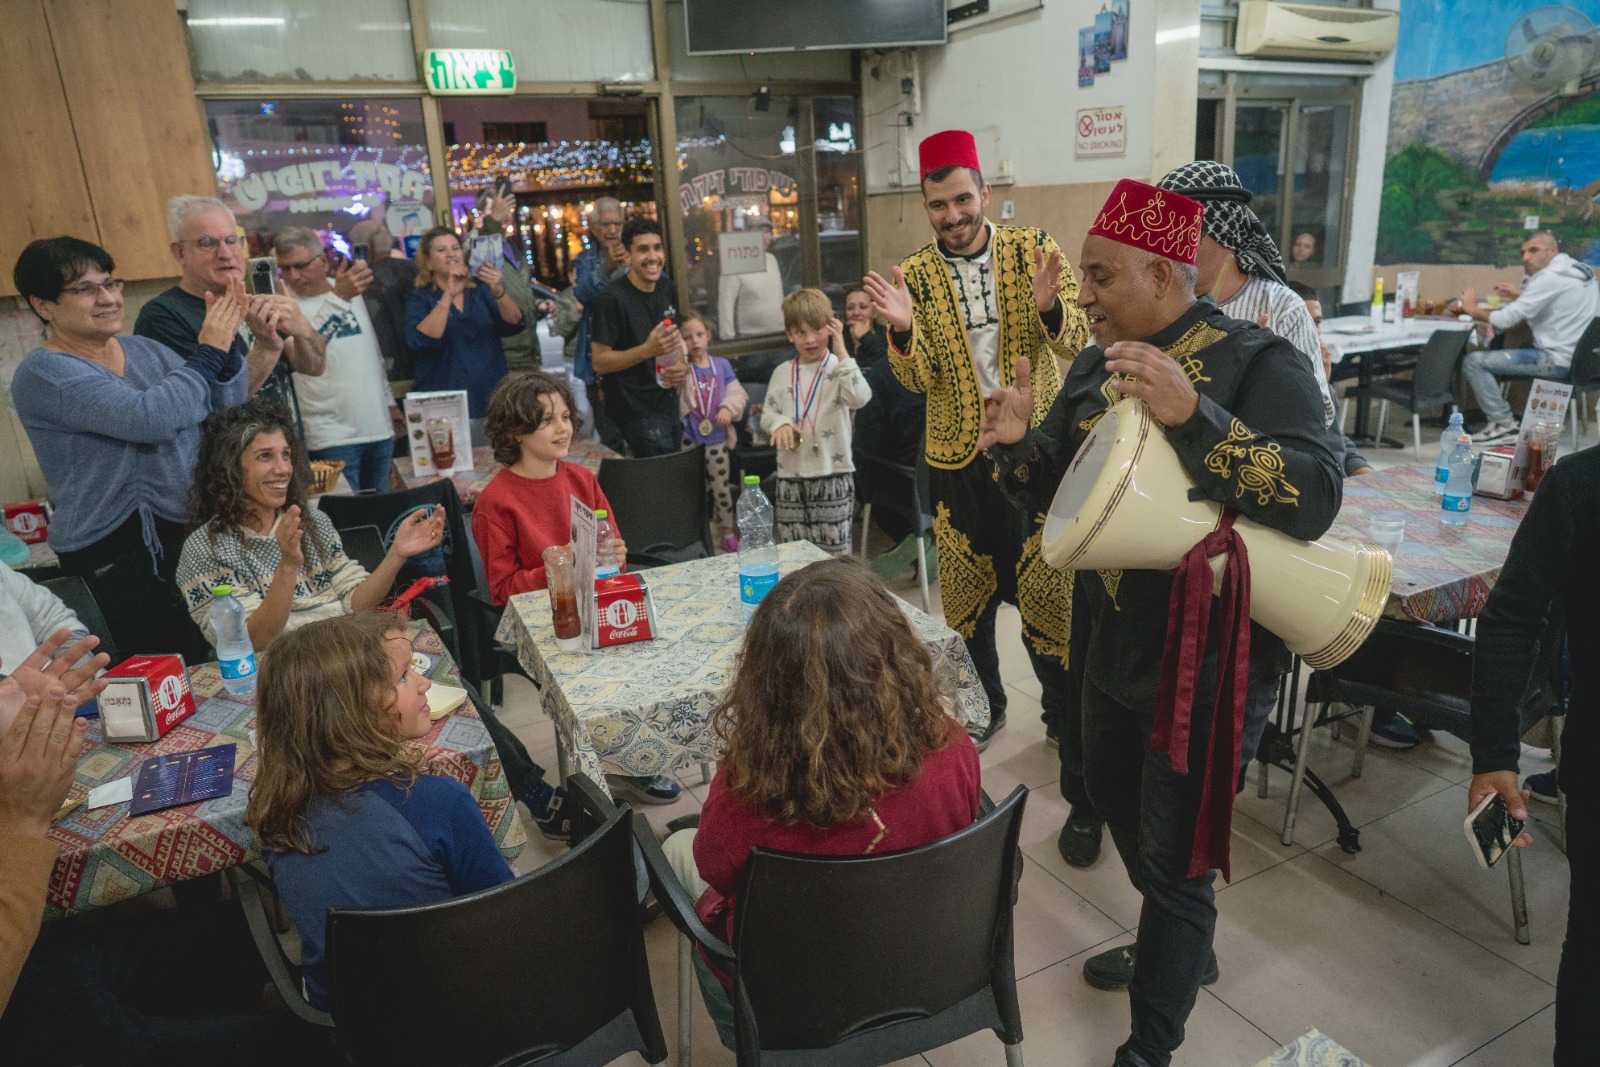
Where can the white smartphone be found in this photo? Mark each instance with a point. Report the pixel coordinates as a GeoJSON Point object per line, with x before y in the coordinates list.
{"type": "Point", "coordinates": [1491, 829]}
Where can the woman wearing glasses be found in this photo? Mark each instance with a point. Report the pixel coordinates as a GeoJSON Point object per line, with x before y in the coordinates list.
{"type": "Point", "coordinates": [115, 424]}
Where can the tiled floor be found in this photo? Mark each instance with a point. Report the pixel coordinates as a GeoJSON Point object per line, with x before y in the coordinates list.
{"type": "Point", "coordinates": [1403, 952]}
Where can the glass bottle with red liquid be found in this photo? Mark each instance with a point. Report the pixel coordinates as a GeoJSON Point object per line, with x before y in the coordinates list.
{"type": "Point", "coordinates": [561, 577]}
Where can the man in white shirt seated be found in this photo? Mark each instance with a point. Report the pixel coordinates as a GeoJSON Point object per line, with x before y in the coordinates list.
{"type": "Point", "coordinates": [29, 613]}
{"type": "Point", "coordinates": [1558, 299]}
{"type": "Point", "coordinates": [345, 410]}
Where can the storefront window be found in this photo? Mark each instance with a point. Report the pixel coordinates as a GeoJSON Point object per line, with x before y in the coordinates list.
{"type": "Point", "coordinates": [268, 40]}
{"type": "Point", "coordinates": [739, 204]}
{"type": "Point", "coordinates": [553, 40]}
{"type": "Point", "coordinates": [326, 164]}
{"type": "Point", "coordinates": [838, 196]}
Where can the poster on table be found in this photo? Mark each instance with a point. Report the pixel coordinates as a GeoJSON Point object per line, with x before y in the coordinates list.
{"type": "Point", "coordinates": [583, 539]}
{"type": "Point", "coordinates": [438, 432]}
{"type": "Point", "coordinates": [1086, 57]}
{"type": "Point", "coordinates": [1547, 402]}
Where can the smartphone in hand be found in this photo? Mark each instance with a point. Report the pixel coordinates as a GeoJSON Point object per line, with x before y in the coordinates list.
{"type": "Point", "coordinates": [360, 252]}
{"type": "Point", "coordinates": [261, 275]}
{"type": "Point", "coordinates": [1491, 829]}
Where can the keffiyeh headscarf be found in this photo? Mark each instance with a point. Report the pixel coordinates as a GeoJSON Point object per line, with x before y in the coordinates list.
{"type": "Point", "coordinates": [1228, 218]}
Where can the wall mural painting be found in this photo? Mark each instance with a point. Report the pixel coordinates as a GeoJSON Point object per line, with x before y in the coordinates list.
{"type": "Point", "coordinates": [1488, 129]}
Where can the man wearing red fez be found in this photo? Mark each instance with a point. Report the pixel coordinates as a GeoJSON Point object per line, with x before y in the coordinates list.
{"type": "Point", "coordinates": [1242, 411]}
{"type": "Point", "coordinates": [962, 312]}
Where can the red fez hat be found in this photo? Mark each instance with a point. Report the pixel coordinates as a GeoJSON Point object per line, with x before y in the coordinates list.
{"type": "Point", "coordinates": [949, 148]}
{"type": "Point", "coordinates": [1156, 220]}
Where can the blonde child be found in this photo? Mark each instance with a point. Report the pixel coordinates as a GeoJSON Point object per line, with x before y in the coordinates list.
{"type": "Point", "coordinates": [709, 400]}
{"type": "Point", "coordinates": [808, 414]}
{"type": "Point", "coordinates": [343, 810]}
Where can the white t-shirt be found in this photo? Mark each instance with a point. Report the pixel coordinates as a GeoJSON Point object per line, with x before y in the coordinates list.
{"type": "Point", "coordinates": [1288, 318]}
{"type": "Point", "coordinates": [348, 403]}
{"type": "Point", "coordinates": [1558, 303]}
{"type": "Point", "coordinates": [973, 279]}
{"type": "Point", "coordinates": [749, 305]}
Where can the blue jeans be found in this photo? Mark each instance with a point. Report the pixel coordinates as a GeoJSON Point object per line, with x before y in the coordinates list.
{"type": "Point", "coordinates": [366, 467]}
{"type": "Point", "coordinates": [1483, 367]}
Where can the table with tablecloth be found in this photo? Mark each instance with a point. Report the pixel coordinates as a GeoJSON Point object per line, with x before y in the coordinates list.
{"type": "Point", "coordinates": [108, 856]}
{"type": "Point", "coordinates": [644, 708]}
{"type": "Point", "coordinates": [1443, 573]}
{"type": "Point", "coordinates": [584, 450]}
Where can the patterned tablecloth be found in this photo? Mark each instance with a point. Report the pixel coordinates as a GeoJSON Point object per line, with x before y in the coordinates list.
{"type": "Point", "coordinates": [585, 450]}
{"type": "Point", "coordinates": [40, 557]}
{"type": "Point", "coordinates": [107, 856]}
{"type": "Point", "coordinates": [1443, 573]}
{"type": "Point", "coordinates": [644, 708]}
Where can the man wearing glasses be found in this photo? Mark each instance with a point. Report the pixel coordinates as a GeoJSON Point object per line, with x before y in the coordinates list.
{"type": "Point", "coordinates": [598, 266]}
{"type": "Point", "coordinates": [278, 338]}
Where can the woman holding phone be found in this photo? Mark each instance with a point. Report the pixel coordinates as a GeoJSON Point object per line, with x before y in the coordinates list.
{"type": "Point", "coordinates": [454, 323]}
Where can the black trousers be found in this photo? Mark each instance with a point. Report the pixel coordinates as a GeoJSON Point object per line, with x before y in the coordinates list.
{"type": "Point", "coordinates": [604, 428]}
{"type": "Point", "coordinates": [522, 774]}
{"type": "Point", "coordinates": [1578, 981]}
{"type": "Point", "coordinates": [139, 597]}
{"type": "Point", "coordinates": [1151, 811]}
{"type": "Point", "coordinates": [652, 435]}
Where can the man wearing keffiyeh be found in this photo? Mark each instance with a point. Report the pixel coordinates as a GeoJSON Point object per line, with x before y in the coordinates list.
{"type": "Point", "coordinates": [1240, 266]}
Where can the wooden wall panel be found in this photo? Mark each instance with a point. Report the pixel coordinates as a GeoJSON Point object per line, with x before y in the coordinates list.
{"type": "Point", "coordinates": [40, 171]}
{"type": "Point", "coordinates": [140, 131]}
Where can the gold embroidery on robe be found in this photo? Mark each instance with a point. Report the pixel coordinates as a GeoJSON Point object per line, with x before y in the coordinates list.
{"type": "Point", "coordinates": [1199, 336]}
{"type": "Point", "coordinates": [1044, 597]}
{"type": "Point", "coordinates": [1111, 579]}
{"type": "Point", "coordinates": [966, 581]}
{"type": "Point", "coordinates": [1259, 466]}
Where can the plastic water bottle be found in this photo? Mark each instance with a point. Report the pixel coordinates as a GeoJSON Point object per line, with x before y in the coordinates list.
{"type": "Point", "coordinates": [758, 553]}
{"type": "Point", "coordinates": [1457, 500]}
{"type": "Point", "coordinates": [605, 547]}
{"type": "Point", "coordinates": [235, 653]}
{"type": "Point", "coordinates": [1447, 445]}
{"type": "Point", "coordinates": [666, 360]}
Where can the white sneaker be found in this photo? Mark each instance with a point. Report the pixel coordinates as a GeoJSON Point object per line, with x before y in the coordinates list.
{"type": "Point", "coordinates": [1496, 433]}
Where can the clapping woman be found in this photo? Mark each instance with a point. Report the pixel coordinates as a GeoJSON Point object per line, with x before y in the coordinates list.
{"type": "Point", "coordinates": [257, 533]}
{"type": "Point", "coordinates": [454, 322]}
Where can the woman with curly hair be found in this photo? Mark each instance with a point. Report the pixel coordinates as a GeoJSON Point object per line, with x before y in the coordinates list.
{"type": "Point", "coordinates": [257, 533]}
{"type": "Point", "coordinates": [836, 743]}
{"type": "Point", "coordinates": [345, 815]}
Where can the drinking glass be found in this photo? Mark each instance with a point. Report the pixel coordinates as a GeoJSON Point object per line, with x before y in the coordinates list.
{"type": "Point", "coordinates": [1389, 531]}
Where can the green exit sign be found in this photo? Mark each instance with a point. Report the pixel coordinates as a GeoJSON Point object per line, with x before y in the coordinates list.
{"type": "Point", "coordinates": [469, 72]}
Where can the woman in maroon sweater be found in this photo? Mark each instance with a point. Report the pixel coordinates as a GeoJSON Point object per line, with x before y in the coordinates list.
{"type": "Point", "coordinates": [836, 743]}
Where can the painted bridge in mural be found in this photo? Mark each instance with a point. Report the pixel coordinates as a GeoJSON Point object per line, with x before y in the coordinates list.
{"type": "Point", "coordinates": [1476, 114]}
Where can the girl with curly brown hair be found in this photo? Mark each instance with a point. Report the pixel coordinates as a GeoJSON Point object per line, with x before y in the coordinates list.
{"type": "Point", "coordinates": [344, 812]}
{"type": "Point", "coordinates": [836, 743]}
{"type": "Point", "coordinates": [258, 533]}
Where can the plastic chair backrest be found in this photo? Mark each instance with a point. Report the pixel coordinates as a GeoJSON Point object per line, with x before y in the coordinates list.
{"type": "Point", "coordinates": [384, 510]}
{"type": "Point", "coordinates": [1585, 370]}
{"type": "Point", "coordinates": [901, 489]}
{"type": "Point", "coordinates": [75, 593]}
{"type": "Point", "coordinates": [364, 544]}
{"type": "Point", "coordinates": [660, 502]}
{"type": "Point", "coordinates": [1433, 379]}
{"type": "Point", "coordinates": [829, 947]}
{"type": "Point", "coordinates": [537, 965]}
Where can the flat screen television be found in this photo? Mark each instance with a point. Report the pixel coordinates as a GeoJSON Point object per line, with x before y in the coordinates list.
{"type": "Point", "coordinates": [721, 27]}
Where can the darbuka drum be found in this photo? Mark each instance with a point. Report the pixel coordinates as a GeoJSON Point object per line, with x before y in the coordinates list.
{"type": "Point", "coordinates": [1125, 504]}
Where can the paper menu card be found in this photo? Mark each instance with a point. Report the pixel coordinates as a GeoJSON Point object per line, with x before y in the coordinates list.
{"type": "Point", "coordinates": [438, 432]}
{"type": "Point", "coordinates": [180, 778]}
{"type": "Point", "coordinates": [1547, 402]}
{"type": "Point", "coordinates": [583, 538]}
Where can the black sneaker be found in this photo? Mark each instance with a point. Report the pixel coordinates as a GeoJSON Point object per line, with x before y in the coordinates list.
{"type": "Point", "coordinates": [657, 790]}
{"type": "Point", "coordinates": [1052, 735]}
{"type": "Point", "coordinates": [982, 737]}
{"type": "Point", "coordinates": [1543, 787]}
{"type": "Point", "coordinates": [1393, 730]}
{"type": "Point", "coordinates": [1113, 970]}
{"type": "Point", "coordinates": [1079, 841]}
{"type": "Point", "coordinates": [546, 803]}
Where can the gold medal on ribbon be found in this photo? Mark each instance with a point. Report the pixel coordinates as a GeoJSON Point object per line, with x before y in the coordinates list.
{"type": "Point", "coordinates": [705, 427]}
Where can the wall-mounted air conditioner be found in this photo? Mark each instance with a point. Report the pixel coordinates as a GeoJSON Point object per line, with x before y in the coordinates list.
{"type": "Point", "coordinates": [1314, 31]}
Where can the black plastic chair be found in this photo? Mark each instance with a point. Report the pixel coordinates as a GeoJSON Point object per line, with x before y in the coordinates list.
{"type": "Point", "coordinates": [660, 504]}
{"type": "Point", "coordinates": [1431, 385]}
{"type": "Point", "coordinates": [1424, 672]}
{"type": "Point", "coordinates": [75, 593]}
{"type": "Point", "coordinates": [548, 969]}
{"type": "Point", "coordinates": [834, 960]}
{"type": "Point", "coordinates": [364, 544]}
{"type": "Point", "coordinates": [904, 490]}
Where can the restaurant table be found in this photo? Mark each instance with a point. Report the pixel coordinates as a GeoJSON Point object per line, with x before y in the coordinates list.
{"type": "Point", "coordinates": [1356, 337]}
{"type": "Point", "coordinates": [1442, 573]}
{"type": "Point", "coordinates": [644, 708]}
{"type": "Point", "coordinates": [41, 557]}
{"type": "Point", "coordinates": [585, 450]}
{"type": "Point", "coordinates": [107, 856]}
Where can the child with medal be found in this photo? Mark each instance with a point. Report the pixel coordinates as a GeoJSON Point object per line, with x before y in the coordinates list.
{"type": "Point", "coordinates": [808, 415]}
{"type": "Point", "coordinates": [709, 400]}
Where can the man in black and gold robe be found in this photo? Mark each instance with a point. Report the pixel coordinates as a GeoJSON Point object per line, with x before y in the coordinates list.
{"type": "Point", "coordinates": [1242, 410]}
